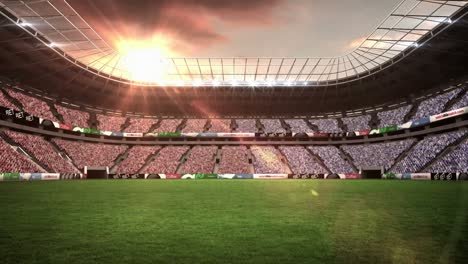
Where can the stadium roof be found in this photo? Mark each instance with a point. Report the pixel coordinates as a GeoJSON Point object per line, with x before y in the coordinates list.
{"type": "Point", "coordinates": [407, 27]}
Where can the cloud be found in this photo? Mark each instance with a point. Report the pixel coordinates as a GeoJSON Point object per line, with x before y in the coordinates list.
{"type": "Point", "coordinates": [189, 24]}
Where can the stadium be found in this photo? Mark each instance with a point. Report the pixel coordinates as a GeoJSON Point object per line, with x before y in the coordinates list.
{"type": "Point", "coordinates": [267, 131]}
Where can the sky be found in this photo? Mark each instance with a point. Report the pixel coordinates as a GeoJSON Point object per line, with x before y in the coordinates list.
{"type": "Point", "coordinates": [231, 28]}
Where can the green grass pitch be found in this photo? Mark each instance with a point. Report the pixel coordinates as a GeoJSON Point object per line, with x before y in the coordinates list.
{"type": "Point", "coordinates": [234, 221]}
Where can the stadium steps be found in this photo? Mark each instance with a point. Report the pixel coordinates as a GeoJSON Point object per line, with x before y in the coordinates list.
{"type": "Point", "coordinates": [445, 151]}
{"type": "Point", "coordinates": [412, 112]}
{"type": "Point", "coordinates": [183, 159]}
{"type": "Point", "coordinates": [125, 124]}
{"type": "Point", "coordinates": [54, 111]}
{"type": "Point", "coordinates": [402, 155]}
{"type": "Point", "coordinates": [63, 154]}
{"type": "Point", "coordinates": [319, 160]}
{"type": "Point", "coordinates": [149, 159]}
{"type": "Point", "coordinates": [182, 125]}
{"type": "Point", "coordinates": [284, 160]}
{"type": "Point", "coordinates": [259, 126]}
{"type": "Point", "coordinates": [154, 126]}
{"type": "Point", "coordinates": [346, 157]}
{"type": "Point", "coordinates": [285, 126]}
{"type": "Point", "coordinates": [250, 158]}
{"type": "Point", "coordinates": [374, 122]}
{"type": "Point", "coordinates": [342, 125]}
{"type": "Point", "coordinates": [15, 101]}
{"type": "Point", "coordinates": [92, 121]}
{"type": "Point", "coordinates": [455, 100]}
{"type": "Point", "coordinates": [219, 154]}
{"type": "Point", "coordinates": [24, 151]}
{"type": "Point", "coordinates": [312, 126]}
{"type": "Point", "coordinates": [119, 159]}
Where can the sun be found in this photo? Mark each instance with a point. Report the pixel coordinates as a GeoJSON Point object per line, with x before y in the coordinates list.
{"type": "Point", "coordinates": [145, 60]}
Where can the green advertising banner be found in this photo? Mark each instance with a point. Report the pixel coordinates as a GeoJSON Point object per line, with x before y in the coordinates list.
{"type": "Point", "coordinates": [206, 176]}
{"type": "Point", "coordinates": [11, 176]}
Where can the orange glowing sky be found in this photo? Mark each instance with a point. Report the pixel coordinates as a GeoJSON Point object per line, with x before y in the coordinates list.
{"type": "Point", "coordinates": [225, 28]}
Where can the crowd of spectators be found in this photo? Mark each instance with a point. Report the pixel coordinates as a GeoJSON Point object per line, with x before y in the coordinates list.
{"type": "Point", "coordinates": [267, 159]}
{"type": "Point", "coordinates": [140, 125]}
{"type": "Point", "coordinates": [435, 105]}
{"type": "Point", "coordinates": [166, 161]}
{"type": "Point", "coordinates": [168, 125]}
{"type": "Point", "coordinates": [43, 151]}
{"type": "Point", "coordinates": [32, 105]}
{"type": "Point", "coordinates": [301, 161]}
{"type": "Point", "coordinates": [333, 159]}
{"type": "Point", "coordinates": [454, 161]}
{"type": "Point", "coordinates": [357, 123]}
{"type": "Point", "coordinates": [377, 154]}
{"type": "Point", "coordinates": [461, 103]}
{"type": "Point", "coordinates": [298, 126]}
{"type": "Point", "coordinates": [393, 117]}
{"type": "Point", "coordinates": [200, 159]}
{"type": "Point", "coordinates": [426, 150]}
{"type": "Point", "coordinates": [73, 117]}
{"type": "Point", "coordinates": [234, 159]}
{"type": "Point", "coordinates": [246, 126]}
{"type": "Point", "coordinates": [194, 126]}
{"type": "Point", "coordinates": [220, 126]}
{"type": "Point", "coordinates": [90, 154]}
{"type": "Point", "coordinates": [326, 125]}
{"type": "Point", "coordinates": [13, 161]}
{"type": "Point", "coordinates": [272, 126]}
{"type": "Point", "coordinates": [110, 123]}
{"type": "Point", "coordinates": [135, 159]}
{"type": "Point", "coordinates": [5, 102]}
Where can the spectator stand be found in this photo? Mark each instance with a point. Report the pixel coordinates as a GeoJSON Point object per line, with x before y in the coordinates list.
{"type": "Point", "coordinates": [426, 150]}
{"type": "Point", "coordinates": [445, 156]}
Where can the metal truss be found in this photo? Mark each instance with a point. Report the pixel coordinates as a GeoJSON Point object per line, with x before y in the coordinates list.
{"type": "Point", "coordinates": [411, 24]}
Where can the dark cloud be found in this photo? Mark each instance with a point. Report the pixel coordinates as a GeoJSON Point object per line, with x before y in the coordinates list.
{"type": "Point", "coordinates": [192, 24]}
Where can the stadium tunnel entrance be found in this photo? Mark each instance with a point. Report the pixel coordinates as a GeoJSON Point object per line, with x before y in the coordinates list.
{"type": "Point", "coordinates": [97, 172]}
{"type": "Point", "coordinates": [372, 173]}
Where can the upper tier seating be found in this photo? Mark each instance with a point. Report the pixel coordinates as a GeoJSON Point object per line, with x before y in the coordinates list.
{"type": "Point", "coordinates": [454, 161]}
{"type": "Point", "coordinates": [435, 105]}
{"type": "Point", "coordinates": [33, 105]}
{"type": "Point", "coordinates": [272, 126]}
{"type": "Point", "coordinates": [200, 159]}
{"type": "Point", "coordinates": [140, 125]}
{"type": "Point", "coordinates": [246, 126]}
{"type": "Point", "coordinates": [326, 125]}
{"type": "Point", "coordinates": [90, 154]}
{"type": "Point", "coordinates": [136, 159]}
{"type": "Point", "coordinates": [393, 117]}
{"type": "Point", "coordinates": [357, 123]}
{"type": "Point", "coordinates": [168, 125]}
{"type": "Point", "coordinates": [377, 154]}
{"type": "Point", "coordinates": [234, 160]}
{"type": "Point", "coordinates": [332, 159]}
{"type": "Point", "coordinates": [43, 151]}
{"type": "Point", "coordinates": [12, 161]}
{"type": "Point", "coordinates": [298, 126]}
{"type": "Point", "coordinates": [462, 103]}
{"type": "Point", "coordinates": [167, 160]}
{"type": "Point", "coordinates": [301, 161]}
{"type": "Point", "coordinates": [194, 126]}
{"type": "Point", "coordinates": [220, 126]}
{"type": "Point", "coordinates": [267, 160]}
{"type": "Point", "coordinates": [426, 150]}
{"type": "Point", "coordinates": [110, 123]}
{"type": "Point", "coordinates": [73, 117]}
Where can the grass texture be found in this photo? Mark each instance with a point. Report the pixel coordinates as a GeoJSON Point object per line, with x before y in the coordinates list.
{"type": "Point", "coordinates": [234, 221]}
